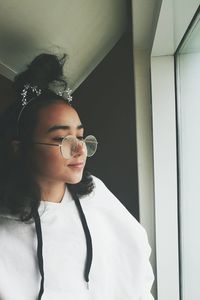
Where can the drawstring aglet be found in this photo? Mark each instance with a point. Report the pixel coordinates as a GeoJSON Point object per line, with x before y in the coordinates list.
{"type": "Point", "coordinates": [87, 285]}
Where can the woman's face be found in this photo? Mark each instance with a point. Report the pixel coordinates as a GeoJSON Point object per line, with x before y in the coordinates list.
{"type": "Point", "coordinates": [55, 122]}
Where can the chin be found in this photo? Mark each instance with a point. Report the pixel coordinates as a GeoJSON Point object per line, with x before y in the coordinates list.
{"type": "Point", "coordinates": [74, 179]}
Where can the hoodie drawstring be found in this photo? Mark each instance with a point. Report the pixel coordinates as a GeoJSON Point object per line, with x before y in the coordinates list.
{"type": "Point", "coordinates": [89, 254]}
{"type": "Point", "coordinates": [88, 240]}
{"type": "Point", "coordinates": [39, 252]}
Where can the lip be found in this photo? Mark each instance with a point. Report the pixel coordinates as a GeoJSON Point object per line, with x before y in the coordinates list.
{"type": "Point", "coordinates": [78, 165]}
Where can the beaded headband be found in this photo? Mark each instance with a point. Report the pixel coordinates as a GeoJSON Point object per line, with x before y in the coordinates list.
{"type": "Point", "coordinates": [66, 94]}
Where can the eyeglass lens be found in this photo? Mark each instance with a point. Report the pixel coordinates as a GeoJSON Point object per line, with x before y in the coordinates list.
{"type": "Point", "coordinates": [71, 145]}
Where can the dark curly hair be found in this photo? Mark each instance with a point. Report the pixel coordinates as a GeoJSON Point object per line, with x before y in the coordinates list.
{"type": "Point", "coordinates": [20, 195]}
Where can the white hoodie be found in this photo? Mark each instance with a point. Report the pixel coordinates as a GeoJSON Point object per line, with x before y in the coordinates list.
{"type": "Point", "coordinates": [120, 267]}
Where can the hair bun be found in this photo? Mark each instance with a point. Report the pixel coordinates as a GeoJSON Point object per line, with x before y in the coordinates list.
{"type": "Point", "coordinates": [42, 71]}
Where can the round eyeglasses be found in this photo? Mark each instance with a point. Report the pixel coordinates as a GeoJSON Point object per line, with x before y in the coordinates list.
{"type": "Point", "coordinates": [70, 145]}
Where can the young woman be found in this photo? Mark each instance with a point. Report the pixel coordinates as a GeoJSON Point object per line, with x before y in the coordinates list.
{"type": "Point", "coordinates": [63, 234]}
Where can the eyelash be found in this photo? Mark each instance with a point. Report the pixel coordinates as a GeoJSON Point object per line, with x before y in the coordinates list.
{"type": "Point", "coordinates": [80, 138]}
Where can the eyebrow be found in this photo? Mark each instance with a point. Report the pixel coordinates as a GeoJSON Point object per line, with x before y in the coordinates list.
{"type": "Point", "coordinates": [63, 127]}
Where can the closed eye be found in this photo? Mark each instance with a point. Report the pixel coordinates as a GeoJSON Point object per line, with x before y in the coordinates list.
{"type": "Point", "coordinates": [80, 138]}
{"type": "Point", "coordinates": [58, 139]}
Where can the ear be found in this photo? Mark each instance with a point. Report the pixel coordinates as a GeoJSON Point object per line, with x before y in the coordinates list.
{"type": "Point", "coordinates": [15, 146]}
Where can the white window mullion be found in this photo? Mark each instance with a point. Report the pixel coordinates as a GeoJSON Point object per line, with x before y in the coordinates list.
{"type": "Point", "coordinates": [165, 177]}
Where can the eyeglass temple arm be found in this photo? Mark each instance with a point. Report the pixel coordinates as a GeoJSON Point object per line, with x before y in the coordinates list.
{"type": "Point", "coordinates": [48, 144]}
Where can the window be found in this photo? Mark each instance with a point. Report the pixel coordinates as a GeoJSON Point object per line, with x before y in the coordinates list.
{"type": "Point", "coordinates": [187, 59]}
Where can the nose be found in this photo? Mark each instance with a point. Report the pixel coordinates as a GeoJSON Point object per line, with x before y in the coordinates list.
{"type": "Point", "coordinates": [81, 149]}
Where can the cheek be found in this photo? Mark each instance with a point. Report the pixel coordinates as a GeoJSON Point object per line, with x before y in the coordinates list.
{"type": "Point", "coordinates": [47, 160]}
{"type": "Point", "coordinates": [51, 165]}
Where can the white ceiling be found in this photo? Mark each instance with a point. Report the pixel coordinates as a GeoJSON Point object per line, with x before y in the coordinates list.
{"type": "Point", "coordinates": [85, 29]}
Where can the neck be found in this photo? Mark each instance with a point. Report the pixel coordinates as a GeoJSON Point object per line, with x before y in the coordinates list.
{"type": "Point", "coordinates": [51, 191]}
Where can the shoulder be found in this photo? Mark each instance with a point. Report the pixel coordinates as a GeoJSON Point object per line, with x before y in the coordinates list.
{"type": "Point", "coordinates": [8, 222]}
{"type": "Point", "coordinates": [117, 214]}
{"type": "Point", "coordinates": [10, 226]}
{"type": "Point", "coordinates": [9, 229]}
{"type": "Point", "coordinates": [108, 200]}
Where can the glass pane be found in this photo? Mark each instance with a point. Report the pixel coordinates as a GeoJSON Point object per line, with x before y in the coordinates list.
{"type": "Point", "coordinates": [188, 113]}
